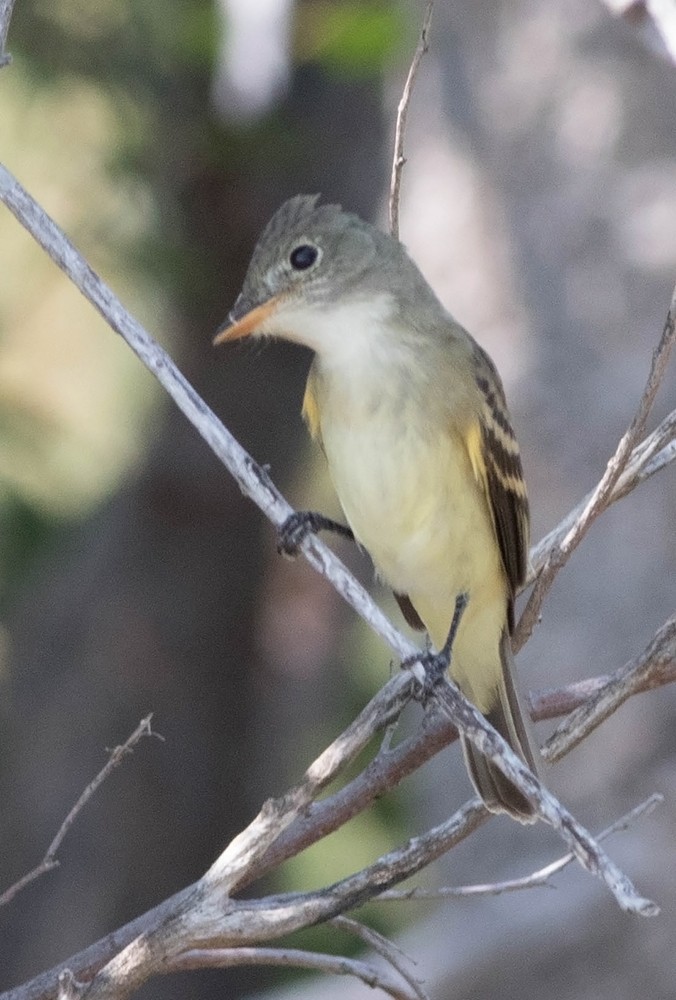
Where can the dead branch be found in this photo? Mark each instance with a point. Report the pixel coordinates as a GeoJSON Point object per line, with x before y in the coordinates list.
{"type": "Point", "coordinates": [396, 866]}
{"type": "Point", "coordinates": [399, 159]}
{"type": "Point", "coordinates": [587, 851]}
{"type": "Point", "coordinates": [601, 496]}
{"type": "Point", "coordinates": [384, 947]}
{"type": "Point", "coordinates": [653, 454]}
{"type": "Point", "coordinates": [660, 654]}
{"type": "Point", "coordinates": [49, 861]}
{"type": "Point", "coordinates": [336, 965]}
{"type": "Point", "coordinates": [538, 879]}
{"type": "Point", "coordinates": [320, 818]}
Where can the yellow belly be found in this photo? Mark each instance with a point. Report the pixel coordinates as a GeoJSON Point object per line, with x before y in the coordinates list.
{"type": "Point", "coordinates": [413, 501]}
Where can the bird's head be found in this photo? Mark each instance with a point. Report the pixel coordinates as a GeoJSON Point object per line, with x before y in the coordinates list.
{"type": "Point", "coordinates": [311, 264]}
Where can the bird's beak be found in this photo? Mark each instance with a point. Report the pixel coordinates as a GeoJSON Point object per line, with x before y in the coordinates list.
{"type": "Point", "coordinates": [242, 322]}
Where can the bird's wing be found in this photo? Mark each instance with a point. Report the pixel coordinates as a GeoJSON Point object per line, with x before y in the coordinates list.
{"type": "Point", "coordinates": [499, 469]}
{"type": "Point", "coordinates": [411, 616]}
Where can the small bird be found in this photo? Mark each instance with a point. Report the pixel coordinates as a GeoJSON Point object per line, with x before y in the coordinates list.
{"type": "Point", "coordinates": [411, 415]}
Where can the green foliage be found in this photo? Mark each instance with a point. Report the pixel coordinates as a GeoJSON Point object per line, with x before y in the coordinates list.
{"type": "Point", "coordinates": [25, 533]}
{"type": "Point", "coordinates": [352, 38]}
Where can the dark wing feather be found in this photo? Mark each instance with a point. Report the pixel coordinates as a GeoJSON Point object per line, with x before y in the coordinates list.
{"type": "Point", "coordinates": [504, 475]}
{"type": "Point", "coordinates": [410, 614]}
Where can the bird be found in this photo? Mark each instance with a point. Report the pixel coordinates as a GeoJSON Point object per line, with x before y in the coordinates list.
{"type": "Point", "coordinates": [411, 415]}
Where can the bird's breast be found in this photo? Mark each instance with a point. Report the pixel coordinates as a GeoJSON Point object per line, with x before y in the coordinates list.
{"type": "Point", "coordinates": [402, 473]}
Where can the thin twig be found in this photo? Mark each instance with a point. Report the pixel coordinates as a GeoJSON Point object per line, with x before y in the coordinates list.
{"type": "Point", "coordinates": [653, 453]}
{"type": "Point", "coordinates": [659, 654]}
{"type": "Point", "coordinates": [602, 494]}
{"type": "Point", "coordinates": [389, 769]}
{"type": "Point", "coordinates": [49, 861]}
{"type": "Point", "coordinates": [399, 159]}
{"type": "Point", "coordinates": [587, 851]}
{"type": "Point", "coordinates": [537, 879]}
{"type": "Point", "coordinates": [315, 822]}
{"type": "Point", "coordinates": [227, 958]}
{"type": "Point", "coordinates": [45, 866]}
{"type": "Point", "coordinates": [384, 947]}
{"type": "Point", "coordinates": [252, 479]}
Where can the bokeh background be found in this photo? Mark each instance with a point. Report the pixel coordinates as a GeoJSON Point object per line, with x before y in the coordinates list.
{"type": "Point", "coordinates": [540, 200]}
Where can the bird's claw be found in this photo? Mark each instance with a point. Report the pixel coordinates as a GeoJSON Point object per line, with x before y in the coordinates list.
{"type": "Point", "coordinates": [293, 532]}
{"type": "Point", "coordinates": [434, 666]}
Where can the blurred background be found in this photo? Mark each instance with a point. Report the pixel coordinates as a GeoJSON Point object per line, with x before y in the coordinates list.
{"type": "Point", "coordinates": [540, 200]}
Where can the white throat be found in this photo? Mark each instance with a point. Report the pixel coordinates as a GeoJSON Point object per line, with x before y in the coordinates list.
{"type": "Point", "coordinates": [344, 335]}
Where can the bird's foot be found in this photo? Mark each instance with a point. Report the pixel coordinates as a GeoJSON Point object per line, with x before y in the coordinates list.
{"type": "Point", "coordinates": [302, 523]}
{"type": "Point", "coordinates": [435, 664]}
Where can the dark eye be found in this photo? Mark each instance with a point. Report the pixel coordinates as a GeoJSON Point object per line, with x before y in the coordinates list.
{"type": "Point", "coordinates": [303, 256]}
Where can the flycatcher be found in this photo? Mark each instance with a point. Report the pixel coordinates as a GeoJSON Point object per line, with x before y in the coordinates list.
{"type": "Point", "coordinates": [411, 414]}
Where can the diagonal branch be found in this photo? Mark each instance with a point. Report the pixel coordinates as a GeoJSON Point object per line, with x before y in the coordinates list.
{"type": "Point", "coordinates": [659, 655]}
{"type": "Point", "coordinates": [321, 818]}
{"type": "Point", "coordinates": [536, 879]}
{"type": "Point", "coordinates": [49, 861]}
{"type": "Point", "coordinates": [399, 159]}
{"type": "Point", "coordinates": [251, 478]}
{"type": "Point", "coordinates": [653, 453]}
{"type": "Point", "coordinates": [601, 496]}
{"type": "Point", "coordinates": [293, 958]}
{"type": "Point", "coordinates": [587, 851]}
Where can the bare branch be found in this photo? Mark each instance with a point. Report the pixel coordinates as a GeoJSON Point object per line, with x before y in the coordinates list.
{"type": "Point", "coordinates": [402, 111]}
{"type": "Point", "coordinates": [210, 917]}
{"type": "Point", "coordinates": [655, 452]}
{"type": "Point", "coordinates": [117, 755]}
{"type": "Point", "coordinates": [233, 868]}
{"type": "Point", "coordinates": [46, 865]}
{"type": "Point", "coordinates": [220, 958]}
{"type": "Point", "coordinates": [387, 949]}
{"type": "Point", "coordinates": [49, 861]}
{"type": "Point", "coordinates": [587, 851]}
{"type": "Point", "coordinates": [390, 768]}
{"type": "Point", "coordinates": [659, 655]}
{"type": "Point", "coordinates": [316, 821]}
{"type": "Point", "coordinates": [273, 917]}
{"type": "Point", "coordinates": [251, 478]}
{"type": "Point", "coordinates": [536, 879]}
{"type": "Point", "coordinates": [660, 670]}
{"type": "Point", "coordinates": [602, 495]}
{"type": "Point", "coordinates": [6, 8]}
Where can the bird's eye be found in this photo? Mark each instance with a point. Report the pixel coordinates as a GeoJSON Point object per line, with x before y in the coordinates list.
{"type": "Point", "coordinates": [303, 256]}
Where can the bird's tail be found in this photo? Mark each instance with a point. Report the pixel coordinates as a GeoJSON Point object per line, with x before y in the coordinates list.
{"type": "Point", "coordinates": [508, 717]}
